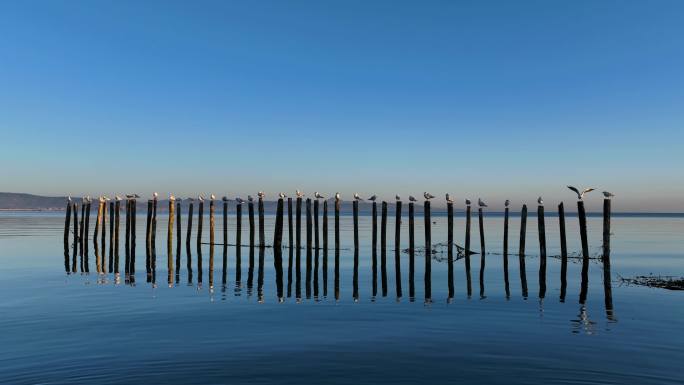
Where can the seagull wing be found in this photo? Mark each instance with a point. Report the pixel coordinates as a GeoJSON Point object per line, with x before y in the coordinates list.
{"type": "Point", "coordinates": [579, 196]}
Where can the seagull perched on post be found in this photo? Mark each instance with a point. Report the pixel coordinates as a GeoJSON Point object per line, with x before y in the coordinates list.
{"type": "Point", "coordinates": [69, 199]}
{"type": "Point", "coordinates": [448, 198]}
{"type": "Point", "coordinates": [224, 198]}
{"type": "Point", "coordinates": [580, 195]}
{"type": "Point", "coordinates": [373, 198]}
{"type": "Point", "coordinates": [397, 197]}
{"type": "Point", "coordinates": [467, 202]}
{"type": "Point", "coordinates": [507, 203]}
{"type": "Point", "coordinates": [116, 197]}
{"type": "Point", "coordinates": [212, 197]}
{"type": "Point", "coordinates": [318, 195]}
{"type": "Point", "coordinates": [540, 201]}
{"type": "Point", "coordinates": [171, 197]}
{"type": "Point", "coordinates": [428, 196]}
{"type": "Point", "coordinates": [155, 195]}
{"type": "Point", "coordinates": [200, 198]}
{"type": "Point", "coordinates": [412, 199]}
{"type": "Point", "coordinates": [250, 198]}
{"type": "Point", "coordinates": [608, 194]}
{"type": "Point", "coordinates": [282, 195]}
{"type": "Point", "coordinates": [337, 196]}
{"type": "Point", "coordinates": [481, 203]}
{"type": "Point", "coordinates": [299, 194]}
{"type": "Point", "coordinates": [357, 197]}
{"type": "Point", "coordinates": [239, 200]}
{"type": "Point", "coordinates": [261, 194]}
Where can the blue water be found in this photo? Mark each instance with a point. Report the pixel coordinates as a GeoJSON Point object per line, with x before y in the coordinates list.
{"type": "Point", "coordinates": [105, 328]}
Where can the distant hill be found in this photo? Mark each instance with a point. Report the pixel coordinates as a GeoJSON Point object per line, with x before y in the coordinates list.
{"type": "Point", "coordinates": [20, 201]}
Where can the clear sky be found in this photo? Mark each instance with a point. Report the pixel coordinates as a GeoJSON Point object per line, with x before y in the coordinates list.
{"type": "Point", "coordinates": [498, 99]}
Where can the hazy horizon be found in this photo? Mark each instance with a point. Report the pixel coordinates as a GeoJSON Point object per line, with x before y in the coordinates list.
{"type": "Point", "coordinates": [499, 100]}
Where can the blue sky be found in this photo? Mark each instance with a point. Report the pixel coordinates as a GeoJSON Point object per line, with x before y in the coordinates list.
{"type": "Point", "coordinates": [498, 99]}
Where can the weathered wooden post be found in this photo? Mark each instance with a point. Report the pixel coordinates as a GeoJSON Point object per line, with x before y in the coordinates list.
{"type": "Point", "coordinates": [397, 248]}
{"type": "Point", "coordinates": [355, 211]}
{"type": "Point", "coordinates": [428, 251]}
{"type": "Point", "coordinates": [200, 222]}
{"type": "Point", "coordinates": [103, 236]}
{"type": "Point", "coordinates": [74, 210]}
{"type": "Point", "coordinates": [412, 247]}
{"type": "Point", "coordinates": [607, 284]}
{"type": "Point", "coordinates": [450, 247]}
{"type": "Point", "coordinates": [67, 224]}
{"type": "Point", "coordinates": [383, 248]}
{"type": "Point", "coordinates": [309, 241]}
{"type": "Point", "coordinates": [178, 238]}
{"type": "Point", "coordinates": [521, 250]}
{"type": "Point", "coordinates": [112, 217]}
{"type": "Point", "coordinates": [169, 236]}
{"type": "Point", "coordinates": [148, 240]}
{"type": "Point", "coordinates": [212, 222]}
{"type": "Point", "coordinates": [325, 248]}
{"type": "Point", "coordinates": [355, 286]}
{"type": "Point", "coordinates": [87, 226]}
{"type": "Point", "coordinates": [505, 251]}
{"type": "Point", "coordinates": [277, 249]}
{"type": "Point", "coordinates": [542, 248]}
{"type": "Point", "coordinates": [262, 239]}
{"type": "Point", "coordinates": [316, 239]}
{"type": "Point", "coordinates": [316, 247]}
{"type": "Point", "coordinates": [483, 253]}
{"type": "Point", "coordinates": [564, 252]}
{"type": "Point", "coordinates": [469, 287]}
{"type": "Point", "coordinates": [134, 208]}
{"type": "Point", "coordinates": [188, 234]}
{"type": "Point", "coordinates": [98, 221]}
{"type": "Point", "coordinates": [238, 244]}
{"type": "Point", "coordinates": [128, 236]}
{"type": "Point", "coordinates": [375, 247]}
{"type": "Point", "coordinates": [337, 246]}
{"type": "Point", "coordinates": [250, 208]}
{"type": "Point", "coordinates": [81, 230]}
{"type": "Point", "coordinates": [211, 265]}
{"type": "Point", "coordinates": [298, 257]}
{"type": "Point", "coordinates": [585, 250]}
{"type": "Point", "coordinates": [225, 220]}
{"type": "Point", "coordinates": [117, 210]}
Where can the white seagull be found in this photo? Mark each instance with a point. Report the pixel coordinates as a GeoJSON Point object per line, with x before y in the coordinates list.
{"type": "Point", "coordinates": [261, 194]}
{"type": "Point", "coordinates": [239, 200]}
{"type": "Point", "coordinates": [337, 196]}
{"type": "Point", "coordinates": [507, 203]}
{"type": "Point", "coordinates": [116, 197]}
{"type": "Point", "coordinates": [397, 197]}
{"type": "Point", "coordinates": [318, 195]}
{"type": "Point", "coordinates": [448, 198]}
{"type": "Point", "coordinates": [580, 195]}
{"type": "Point", "coordinates": [481, 203]}
{"type": "Point", "coordinates": [357, 197]}
{"type": "Point", "coordinates": [282, 195]}
{"type": "Point", "coordinates": [467, 202]}
{"type": "Point", "coordinates": [155, 195]}
{"type": "Point", "coordinates": [200, 198]}
{"type": "Point", "coordinates": [540, 201]}
{"type": "Point", "coordinates": [250, 198]}
{"type": "Point", "coordinates": [608, 194]}
{"type": "Point", "coordinates": [428, 196]}
{"type": "Point", "coordinates": [373, 198]}
{"type": "Point", "coordinates": [171, 197]}
{"type": "Point", "coordinates": [212, 196]}
{"type": "Point", "coordinates": [412, 199]}
{"type": "Point", "coordinates": [299, 193]}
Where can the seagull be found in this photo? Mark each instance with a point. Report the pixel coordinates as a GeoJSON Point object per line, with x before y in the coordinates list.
{"type": "Point", "coordinates": [88, 199]}
{"type": "Point", "coordinates": [200, 198]}
{"type": "Point", "coordinates": [261, 194]}
{"type": "Point", "coordinates": [249, 198]}
{"type": "Point", "coordinates": [282, 195]}
{"type": "Point", "coordinates": [318, 195]}
{"type": "Point", "coordinates": [507, 203]}
{"type": "Point", "coordinates": [540, 201]}
{"type": "Point", "coordinates": [373, 198]}
{"type": "Point", "coordinates": [428, 196]}
{"type": "Point", "coordinates": [481, 203]}
{"type": "Point", "coordinates": [412, 199]}
{"type": "Point", "coordinates": [190, 199]}
{"type": "Point", "coordinates": [118, 198]}
{"type": "Point", "coordinates": [224, 198]}
{"type": "Point", "coordinates": [580, 195]}
{"type": "Point", "coordinates": [101, 199]}
{"type": "Point", "coordinates": [239, 200]}
{"type": "Point", "coordinates": [107, 199]}
{"type": "Point", "coordinates": [155, 195]}
{"type": "Point", "coordinates": [337, 196]}
{"type": "Point", "coordinates": [212, 197]}
{"type": "Point", "coordinates": [448, 198]}
{"type": "Point", "coordinates": [397, 197]}
{"type": "Point", "coordinates": [608, 194]}
{"type": "Point", "coordinates": [467, 202]}
{"type": "Point", "coordinates": [299, 193]}
{"type": "Point", "coordinates": [69, 198]}
{"type": "Point", "coordinates": [172, 198]}
{"type": "Point", "coordinates": [357, 197]}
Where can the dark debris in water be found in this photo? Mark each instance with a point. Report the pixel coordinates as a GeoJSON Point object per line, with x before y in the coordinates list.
{"type": "Point", "coordinates": [668, 282]}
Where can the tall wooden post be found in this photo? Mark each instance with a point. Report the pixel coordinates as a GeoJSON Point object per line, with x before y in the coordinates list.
{"type": "Point", "coordinates": [375, 249]}
{"type": "Point", "coordinates": [309, 240]}
{"type": "Point", "coordinates": [225, 221]}
{"type": "Point", "coordinates": [250, 208]}
{"type": "Point", "coordinates": [505, 252]}
{"type": "Point", "coordinates": [428, 251]}
{"type": "Point", "coordinates": [117, 209]}
{"type": "Point", "coordinates": [298, 250]}
{"type": "Point", "coordinates": [564, 252]}
{"type": "Point", "coordinates": [412, 247]}
{"type": "Point", "coordinates": [262, 237]}
{"type": "Point", "coordinates": [74, 210]}
{"type": "Point", "coordinates": [103, 236]}
{"type": "Point", "coordinates": [128, 237]}
{"type": "Point", "coordinates": [542, 250]}
{"type": "Point", "coordinates": [212, 222]}
{"type": "Point", "coordinates": [383, 248]}
{"type": "Point", "coordinates": [200, 223]}
{"type": "Point", "coordinates": [278, 251]}
{"type": "Point", "coordinates": [188, 234]}
{"type": "Point", "coordinates": [112, 217]}
{"type": "Point", "coordinates": [450, 248]}
{"type": "Point", "coordinates": [521, 250]}
{"type": "Point", "coordinates": [337, 249]}
{"type": "Point", "coordinates": [397, 248]}
{"type": "Point", "coordinates": [169, 236]}
{"type": "Point", "coordinates": [469, 287]}
{"type": "Point", "coordinates": [238, 245]}
{"type": "Point", "coordinates": [134, 208]}
{"type": "Point", "coordinates": [87, 227]}
{"type": "Point", "coordinates": [607, 284]}
{"type": "Point", "coordinates": [325, 248]}
{"type": "Point", "coordinates": [178, 238]}
{"type": "Point", "coordinates": [316, 231]}
{"type": "Point", "coordinates": [67, 225]}
{"type": "Point", "coordinates": [148, 241]}
{"type": "Point", "coordinates": [81, 230]}
{"type": "Point", "coordinates": [483, 253]}
{"type": "Point", "coordinates": [585, 250]}
{"type": "Point", "coordinates": [355, 286]}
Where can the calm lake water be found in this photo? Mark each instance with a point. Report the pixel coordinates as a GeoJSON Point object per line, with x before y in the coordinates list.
{"type": "Point", "coordinates": [224, 323]}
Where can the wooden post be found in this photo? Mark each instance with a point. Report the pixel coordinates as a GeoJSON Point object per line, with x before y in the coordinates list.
{"type": "Point", "coordinates": [260, 274]}
{"type": "Point", "coordinates": [325, 248]}
{"type": "Point", "coordinates": [309, 240]}
{"type": "Point", "coordinates": [103, 236]}
{"type": "Point", "coordinates": [74, 210]}
{"type": "Point", "coordinates": [200, 222]}
{"type": "Point", "coordinates": [564, 251]}
{"type": "Point", "coordinates": [188, 234]}
{"type": "Point", "coordinates": [607, 284]}
{"type": "Point", "coordinates": [316, 243]}
{"type": "Point", "coordinates": [87, 227]}
{"type": "Point", "coordinates": [316, 249]}
{"type": "Point", "coordinates": [505, 253]}
{"type": "Point", "coordinates": [298, 250]}
{"type": "Point", "coordinates": [383, 248]}
{"type": "Point", "coordinates": [521, 250]}
{"type": "Point", "coordinates": [277, 249]}
{"type": "Point", "coordinates": [337, 249]}
{"type": "Point", "coordinates": [397, 248]}
{"type": "Point", "coordinates": [250, 208]}
{"type": "Point", "coordinates": [169, 236]}
{"type": "Point", "coordinates": [375, 250]}
{"type": "Point", "coordinates": [289, 226]}
{"type": "Point", "coordinates": [67, 224]}
{"type": "Point", "coordinates": [450, 248]}
{"type": "Point", "coordinates": [117, 209]}
{"type": "Point", "coordinates": [112, 217]}
{"type": "Point", "coordinates": [82, 227]}
{"type": "Point", "coordinates": [542, 250]}
{"type": "Point", "coordinates": [178, 239]}
{"type": "Point", "coordinates": [469, 287]}
{"type": "Point", "coordinates": [212, 222]}
{"type": "Point", "coordinates": [225, 221]}
{"type": "Point", "coordinates": [262, 239]}
{"type": "Point", "coordinates": [128, 237]}
{"type": "Point", "coordinates": [412, 247]}
{"type": "Point", "coordinates": [428, 252]}
{"type": "Point", "coordinates": [355, 286]}
{"type": "Point", "coordinates": [585, 250]}
{"type": "Point", "coordinates": [211, 263]}
{"type": "Point", "coordinates": [134, 207]}
{"type": "Point", "coordinates": [98, 222]}
{"type": "Point", "coordinates": [148, 240]}
{"type": "Point", "coordinates": [238, 246]}
{"type": "Point", "coordinates": [483, 253]}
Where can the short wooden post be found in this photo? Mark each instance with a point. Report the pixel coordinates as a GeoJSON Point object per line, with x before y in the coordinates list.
{"type": "Point", "coordinates": [188, 232]}
{"type": "Point", "coordinates": [412, 247]}
{"type": "Point", "coordinates": [169, 236]}
{"type": "Point", "coordinates": [607, 284]}
{"type": "Point", "coordinates": [383, 248]}
{"type": "Point", "coordinates": [483, 253]}
{"type": "Point", "coordinates": [397, 248]}
{"type": "Point", "coordinates": [212, 222]}
{"type": "Point", "coordinates": [262, 239]}
{"type": "Point", "coordinates": [428, 251]}
{"type": "Point", "coordinates": [450, 248]}
{"type": "Point", "coordinates": [505, 253]}
{"type": "Point", "coordinates": [309, 240]}
{"type": "Point", "coordinates": [112, 217]}
{"type": "Point", "coordinates": [564, 252]}
{"type": "Point", "coordinates": [117, 210]}
{"type": "Point", "coordinates": [67, 224]}
{"type": "Point", "coordinates": [298, 250]}
{"type": "Point", "coordinates": [521, 250]}
{"type": "Point", "coordinates": [375, 249]}
{"type": "Point", "coordinates": [355, 286]}
{"type": "Point", "coordinates": [200, 223]}
{"type": "Point", "coordinates": [585, 250]}
{"type": "Point", "coordinates": [250, 208]}
{"type": "Point", "coordinates": [337, 248]}
{"type": "Point", "coordinates": [225, 221]}
{"type": "Point", "coordinates": [542, 250]}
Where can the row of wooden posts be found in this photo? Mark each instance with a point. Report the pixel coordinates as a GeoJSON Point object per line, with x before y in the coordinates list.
{"type": "Point", "coordinates": [80, 238]}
